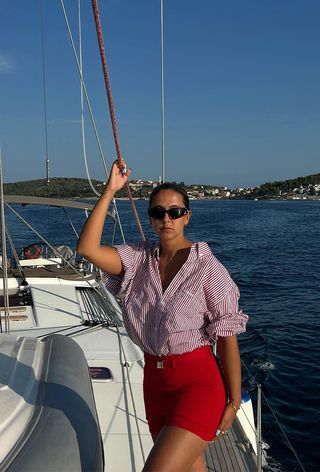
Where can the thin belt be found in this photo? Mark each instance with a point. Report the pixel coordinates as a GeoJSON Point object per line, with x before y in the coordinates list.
{"type": "Point", "coordinates": [176, 360]}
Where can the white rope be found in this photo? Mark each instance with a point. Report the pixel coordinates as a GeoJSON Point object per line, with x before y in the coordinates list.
{"type": "Point", "coordinates": [90, 113]}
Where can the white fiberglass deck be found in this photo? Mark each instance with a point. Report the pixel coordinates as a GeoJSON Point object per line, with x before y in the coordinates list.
{"type": "Point", "coordinates": [116, 413]}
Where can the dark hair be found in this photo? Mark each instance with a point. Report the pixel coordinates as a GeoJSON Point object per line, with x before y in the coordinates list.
{"type": "Point", "coordinates": [170, 186]}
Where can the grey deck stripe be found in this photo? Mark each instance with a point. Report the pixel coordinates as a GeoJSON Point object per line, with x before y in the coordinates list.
{"type": "Point", "coordinates": [231, 453]}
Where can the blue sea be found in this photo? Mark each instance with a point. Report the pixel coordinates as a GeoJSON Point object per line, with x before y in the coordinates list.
{"type": "Point", "coordinates": [271, 249]}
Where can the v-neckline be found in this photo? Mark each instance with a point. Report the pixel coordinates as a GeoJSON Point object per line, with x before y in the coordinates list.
{"type": "Point", "coordinates": [164, 291]}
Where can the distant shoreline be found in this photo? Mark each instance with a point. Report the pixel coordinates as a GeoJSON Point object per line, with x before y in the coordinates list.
{"type": "Point", "coordinates": [308, 199]}
{"type": "Point", "coordinates": [300, 188]}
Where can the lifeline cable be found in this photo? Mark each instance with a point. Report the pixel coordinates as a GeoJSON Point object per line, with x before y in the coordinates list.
{"type": "Point", "coordinates": [275, 417]}
{"type": "Point", "coordinates": [96, 15]}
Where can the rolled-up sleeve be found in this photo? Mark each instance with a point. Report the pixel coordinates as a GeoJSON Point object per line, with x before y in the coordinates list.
{"type": "Point", "coordinates": [222, 299]}
{"type": "Point", "coordinates": [117, 284]}
{"type": "Point", "coordinates": [225, 318]}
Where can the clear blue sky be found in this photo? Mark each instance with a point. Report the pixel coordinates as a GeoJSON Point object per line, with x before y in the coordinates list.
{"type": "Point", "coordinates": [242, 85]}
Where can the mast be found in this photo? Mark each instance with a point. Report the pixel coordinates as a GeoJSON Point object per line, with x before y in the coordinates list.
{"type": "Point", "coordinates": [162, 95]}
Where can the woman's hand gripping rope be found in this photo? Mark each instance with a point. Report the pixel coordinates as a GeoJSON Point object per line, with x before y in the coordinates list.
{"type": "Point", "coordinates": [118, 176]}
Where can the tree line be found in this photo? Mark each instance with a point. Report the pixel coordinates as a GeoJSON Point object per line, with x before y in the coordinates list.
{"type": "Point", "coordinates": [286, 186]}
{"type": "Point", "coordinates": [57, 188]}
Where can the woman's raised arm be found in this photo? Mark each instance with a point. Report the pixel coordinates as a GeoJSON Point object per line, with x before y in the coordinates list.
{"type": "Point", "coordinates": [89, 244]}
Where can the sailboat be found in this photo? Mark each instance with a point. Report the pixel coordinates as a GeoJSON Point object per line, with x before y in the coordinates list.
{"type": "Point", "coordinates": [71, 379]}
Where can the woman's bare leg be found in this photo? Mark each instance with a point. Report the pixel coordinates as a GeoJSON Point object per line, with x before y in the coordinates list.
{"type": "Point", "coordinates": [176, 450]}
{"type": "Point", "coordinates": [200, 464]}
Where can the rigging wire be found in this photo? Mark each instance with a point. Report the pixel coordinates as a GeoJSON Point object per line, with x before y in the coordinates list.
{"type": "Point", "coordinates": [15, 255]}
{"type": "Point", "coordinates": [84, 146]}
{"type": "Point", "coordinates": [44, 93]}
{"type": "Point", "coordinates": [44, 87]}
{"type": "Point", "coordinates": [70, 222]}
{"type": "Point", "coordinates": [283, 431]}
{"type": "Point", "coordinates": [4, 259]}
{"type": "Point", "coordinates": [126, 365]}
{"type": "Point", "coordinates": [90, 113]}
{"type": "Point", "coordinates": [123, 362]}
{"type": "Point", "coordinates": [73, 268]}
{"type": "Point", "coordinates": [275, 416]}
{"type": "Point", "coordinates": [44, 240]}
{"type": "Point", "coordinates": [96, 15]}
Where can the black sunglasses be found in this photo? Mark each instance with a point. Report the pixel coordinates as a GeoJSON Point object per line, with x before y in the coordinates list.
{"type": "Point", "coordinates": [173, 213]}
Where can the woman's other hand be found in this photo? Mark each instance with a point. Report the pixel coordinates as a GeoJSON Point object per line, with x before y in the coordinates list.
{"type": "Point", "coordinates": [227, 419]}
{"type": "Point", "coordinates": [229, 354]}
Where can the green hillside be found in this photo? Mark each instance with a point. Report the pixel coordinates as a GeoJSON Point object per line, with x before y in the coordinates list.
{"type": "Point", "coordinates": [286, 186]}
{"type": "Point", "coordinates": [58, 188]}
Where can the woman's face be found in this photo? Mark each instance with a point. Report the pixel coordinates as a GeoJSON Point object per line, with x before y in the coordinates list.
{"type": "Point", "coordinates": [168, 228]}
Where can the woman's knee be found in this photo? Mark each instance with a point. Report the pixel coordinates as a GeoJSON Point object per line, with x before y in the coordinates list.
{"type": "Point", "coordinates": [175, 450]}
{"type": "Point", "coordinates": [200, 464]}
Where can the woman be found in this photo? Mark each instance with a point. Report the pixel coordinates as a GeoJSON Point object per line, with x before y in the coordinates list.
{"type": "Point", "coordinates": [178, 299]}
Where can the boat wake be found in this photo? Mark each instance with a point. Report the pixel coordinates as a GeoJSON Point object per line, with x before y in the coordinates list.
{"type": "Point", "coordinates": [269, 464]}
{"type": "Point", "coordinates": [265, 366]}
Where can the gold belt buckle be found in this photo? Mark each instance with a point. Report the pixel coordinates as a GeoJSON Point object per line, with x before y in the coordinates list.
{"type": "Point", "coordinates": [160, 365]}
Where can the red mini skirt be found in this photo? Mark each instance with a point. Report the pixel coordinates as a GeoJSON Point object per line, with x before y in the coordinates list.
{"type": "Point", "coordinates": [184, 390]}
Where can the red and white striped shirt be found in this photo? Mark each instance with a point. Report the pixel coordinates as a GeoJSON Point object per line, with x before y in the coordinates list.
{"type": "Point", "coordinates": [200, 304]}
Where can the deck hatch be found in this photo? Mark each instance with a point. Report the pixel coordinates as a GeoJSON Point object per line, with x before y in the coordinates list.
{"type": "Point", "coordinates": [101, 374]}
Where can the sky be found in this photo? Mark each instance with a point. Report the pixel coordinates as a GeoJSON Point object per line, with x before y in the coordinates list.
{"type": "Point", "coordinates": [242, 100]}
